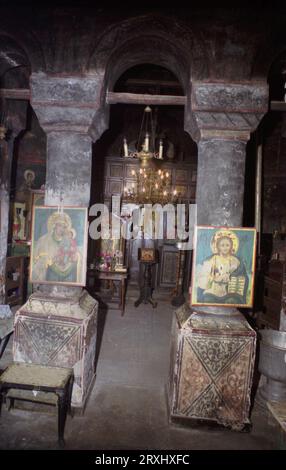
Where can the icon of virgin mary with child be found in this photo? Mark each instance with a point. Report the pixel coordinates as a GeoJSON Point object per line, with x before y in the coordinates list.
{"type": "Point", "coordinates": [57, 257]}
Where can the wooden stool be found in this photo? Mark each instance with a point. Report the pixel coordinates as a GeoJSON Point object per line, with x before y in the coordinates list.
{"type": "Point", "coordinates": [40, 378]}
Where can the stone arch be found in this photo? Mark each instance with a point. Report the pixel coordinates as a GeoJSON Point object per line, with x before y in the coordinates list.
{"type": "Point", "coordinates": [153, 25]}
{"type": "Point", "coordinates": [276, 76]}
{"type": "Point", "coordinates": [268, 51]}
{"type": "Point", "coordinates": [14, 63]}
{"type": "Point", "coordinates": [27, 45]}
{"type": "Point", "coordinates": [15, 70]}
{"type": "Point", "coordinates": [155, 39]}
{"type": "Point", "coordinates": [141, 51]}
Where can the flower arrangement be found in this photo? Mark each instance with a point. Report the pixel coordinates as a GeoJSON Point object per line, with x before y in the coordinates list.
{"type": "Point", "coordinates": [104, 261]}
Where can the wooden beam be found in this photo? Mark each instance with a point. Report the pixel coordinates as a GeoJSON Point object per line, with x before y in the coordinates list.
{"type": "Point", "coordinates": [112, 97]}
{"type": "Point", "coordinates": [136, 98]}
{"type": "Point", "coordinates": [159, 83]}
{"type": "Point", "coordinates": [15, 93]}
{"type": "Point", "coordinates": [277, 105]}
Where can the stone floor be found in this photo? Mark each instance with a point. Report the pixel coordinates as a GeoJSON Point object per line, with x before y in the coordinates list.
{"type": "Point", "coordinates": [127, 406]}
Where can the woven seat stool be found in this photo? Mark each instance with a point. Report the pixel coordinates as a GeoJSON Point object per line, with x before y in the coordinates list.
{"type": "Point", "coordinates": [43, 379]}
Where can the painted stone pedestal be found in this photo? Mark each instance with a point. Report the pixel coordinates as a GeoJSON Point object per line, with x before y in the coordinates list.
{"type": "Point", "coordinates": [212, 360]}
{"type": "Point", "coordinates": [60, 332]}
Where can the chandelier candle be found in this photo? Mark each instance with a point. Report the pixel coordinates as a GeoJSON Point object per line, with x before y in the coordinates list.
{"type": "Point", "coordinates": [125, 147]}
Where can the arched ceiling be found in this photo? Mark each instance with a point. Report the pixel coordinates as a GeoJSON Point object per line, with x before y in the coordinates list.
{"type": "Point", "coordinates": [15, 67]}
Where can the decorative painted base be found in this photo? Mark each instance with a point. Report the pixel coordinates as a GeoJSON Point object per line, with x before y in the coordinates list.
{"type": "Point", "coordinates": [59, 332]}
{"type": "Point", "coordinates": [212, 360]}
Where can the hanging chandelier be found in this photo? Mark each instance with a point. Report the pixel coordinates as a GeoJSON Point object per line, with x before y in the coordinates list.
{"type": "Point", "coordinates": [145, 150]}
{"type": "Point", "coordinates": [153, 186]}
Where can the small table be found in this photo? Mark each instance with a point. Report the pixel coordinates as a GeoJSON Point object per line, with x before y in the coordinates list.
{"type": "Point", "coordinates": [112, 276]}
{"type": "Point", "coordinates": [35, 377]}
{"type": "Point", "coordinates": [6, 329]}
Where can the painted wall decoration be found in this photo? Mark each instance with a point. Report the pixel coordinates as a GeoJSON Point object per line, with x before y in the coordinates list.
{"type": "Point", "coordinates": [37, 199]}
{"type": "Point", "coordinates": [29, 176]}
{"type": "Point", "coordinates": [19, 221]}
{"type": "Point", "coordinates": [223, 266]}
{"type": "Point", "coordinates": [59, 245]}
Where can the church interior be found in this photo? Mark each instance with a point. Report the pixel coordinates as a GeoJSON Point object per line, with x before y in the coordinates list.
{"type": "Point", "coordinates": [143, 227]}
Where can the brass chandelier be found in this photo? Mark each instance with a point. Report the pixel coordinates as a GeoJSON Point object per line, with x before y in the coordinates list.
{"type": "Point", "coordinates": [153, 184]}
{"type": "Point", "coordinates": [146, 141]}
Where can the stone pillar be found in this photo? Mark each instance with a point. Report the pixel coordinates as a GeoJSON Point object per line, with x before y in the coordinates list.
{"type": "Point", "coordinates": [60, 322]}
{"type": "Point", "coordinates": [68, 180]}
{"type": "Point", "coordinates": [220, 117]}
{"type": "Point", "coordinates": [16, 122]}
{"type": "Point", "coordinates": [220, 181]}
{"type": "Point", "coordinates": [68, 168]}
{"type": "Point", "coordinates": [213, 348]}
{"type": "Point", "coordinates": [69, 111]}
